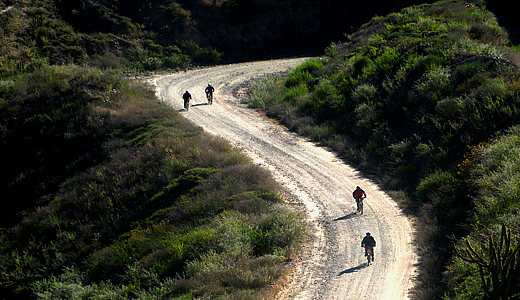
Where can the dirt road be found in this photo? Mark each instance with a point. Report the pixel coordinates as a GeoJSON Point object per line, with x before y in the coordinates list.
{"type": "Point", "coordinates": [332, 265]}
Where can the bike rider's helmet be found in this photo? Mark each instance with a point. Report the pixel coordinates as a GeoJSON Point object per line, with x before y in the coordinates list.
{"type": "Point", "coordinates": [368, 233]}
{"type": "Point", "coordinates": [358, 187]}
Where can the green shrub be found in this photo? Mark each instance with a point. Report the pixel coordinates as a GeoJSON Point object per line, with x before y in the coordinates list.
{"type": "Point", "coordinates": [297, 78]}
{"type": "Point", "coordinates": [487, 33]}
{"type": "Point", "coordinates": [200, 54]}
{"type": "Point", "coordinates": [37, 16]}
{"type": "Point", "coordinates": [72, 284]}
{"type": "Point", "coordinates": [496, 176]}
{"type": "Point", "coordinates": [179, 249]}
{"type": "Point", "coordinates": [435, 84]}
{"type": "Point", "coordinates": [425, 64]}
{"type": "Point", "coordinates": [449, 108]}
{"type": "Point", "coordinates": [176, 61]}
{"type": "Point", "coordinates": [468, 70]}
{"type": "Point", "coordinates": [364, 93]}
{"type": "Point", "coordinates": [310, 65]}
{"type": "Point", "coordinates": [439, 184]}
{"type": "Point", "coordinates": [323, 93]}
{"type": "Point", "coordinates": [492, 92]}
{"type": "Point", "coordinates": [460, 277]}
{"type": "Point", "coordinates": [152, 46]}
{"type": "Point", "coordinates": [265, 91]}
{"type": "Point", "coordinates": [241, 238]}
{"type": "Point", "coordinates": [281, 228]}
{"type": "Point", "coordinates": [331, 51]}
{"type": "Point", "coordinates": [107, 61]}
{"type": "Point", "coordinates": [367, 115]}
{"type": "Point", "coordinates": [365, 68]}
{"type": "Point", "coordinates": [207, 56]}
{"type": "Point", "coordinates": [387, 60]}
{"type": "Point", "coordinates": [151, 63]}
{"type": "Point", "coordinates": [295, 92]}
{"type": "Point", "coordinates": [177, 13]}
{"type": "Point", "coordinates": [137, 53]}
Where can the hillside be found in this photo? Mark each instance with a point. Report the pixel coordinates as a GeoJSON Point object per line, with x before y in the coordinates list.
{"type": "Point", "coordinates": [108, 192]}
{"type": "Point", "coordinates": [149, 35]}
{"type": "Point", "coordinates": [419, 99]}
{"type": "Point", "coordinates": [138, 36]}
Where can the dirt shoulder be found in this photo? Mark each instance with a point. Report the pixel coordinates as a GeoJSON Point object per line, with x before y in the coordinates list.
{"type": "Point", "coordinates": [331, 265]}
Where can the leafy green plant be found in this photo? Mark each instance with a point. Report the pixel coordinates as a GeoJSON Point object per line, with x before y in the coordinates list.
{"type": "Point", "coordinates": [177, 13]}
{"type": "Point", "coordinates": [200, 54]}
{"type": "Point", "coordinates": [176, 61]}
{"type": "Point", "coordinates": [387, 60]}
{"type": "Point", "coordinates": [435, 84]}
{"type": "Point", "coordinates": [298, 77]}
{"type": "Point", "coordinates": [296, 91]}
{"type": "Point", "coordinates": [364, 93]}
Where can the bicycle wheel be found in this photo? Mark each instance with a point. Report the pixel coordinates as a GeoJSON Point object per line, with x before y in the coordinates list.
{"type": "Point", "coordinates": [360, 207]}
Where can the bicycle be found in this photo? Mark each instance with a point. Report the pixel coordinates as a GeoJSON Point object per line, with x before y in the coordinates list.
{"type": "Point", "coordinates": [370, 258]}
{"type": "Point", "coordinates": [359, 202]}
{"type": "Point", "coordinates": [210, 98]}
{"type": "Point", "coordinates": [186, 96]}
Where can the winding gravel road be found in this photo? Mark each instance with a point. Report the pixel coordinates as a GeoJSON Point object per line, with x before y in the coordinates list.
{"type": "Point", "coordinates": [331, 265]}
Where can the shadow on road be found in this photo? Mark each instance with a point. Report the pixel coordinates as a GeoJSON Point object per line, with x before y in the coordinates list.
{"type": "Point", "coordinates": [346, 217]}
{"type": "Point", "coordinates": [192, 105]}
{"type": "Point", "coordinates": [354, 269]}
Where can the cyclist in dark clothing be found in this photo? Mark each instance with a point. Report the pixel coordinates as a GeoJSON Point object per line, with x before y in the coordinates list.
{"type": "Point", "coordinates": [368, 243]}
{"type": "Point", "coordinates": [186, 97]}
{"type": "Point", "coordinates": [209, 89]}
{"type": "Point", "coordinates": [209, 93]}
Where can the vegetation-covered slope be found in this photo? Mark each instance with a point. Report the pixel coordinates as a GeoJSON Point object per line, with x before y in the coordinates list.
{"type": "Point", "coordinates": [135, 35]}
{"type": "Point", "coordinates": [109, 193]}
{"type": "Point", "coordinates": [405, 99]}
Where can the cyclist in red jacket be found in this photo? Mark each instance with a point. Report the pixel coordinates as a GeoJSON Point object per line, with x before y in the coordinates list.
{"type": "Point", "coordinates": [359, 195]}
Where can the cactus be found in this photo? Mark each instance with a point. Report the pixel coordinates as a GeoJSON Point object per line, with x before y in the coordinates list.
{"type": "Point", "coordinates": [502, 263]}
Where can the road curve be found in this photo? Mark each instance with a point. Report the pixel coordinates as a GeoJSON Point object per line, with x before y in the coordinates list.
{"type": "Point", "coordinates": [331, 265]}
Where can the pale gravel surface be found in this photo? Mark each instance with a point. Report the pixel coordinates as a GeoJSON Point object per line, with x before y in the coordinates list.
{"type": "Point", "coordinates": [331, 265]}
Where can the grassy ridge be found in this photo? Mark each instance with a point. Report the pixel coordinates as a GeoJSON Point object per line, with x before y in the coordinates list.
{"type": "Point", "coordinates": [52, 32]}
{"type": "Point", "coordinates": [112, 194]}
{"type": "Point", "coordinates": [405, 99]}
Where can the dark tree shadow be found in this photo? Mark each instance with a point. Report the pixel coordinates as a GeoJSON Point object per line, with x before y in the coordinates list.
{"type": "Point", "coordinates": [346, 217]}
{"type": "Point", "coordinates": [353, 269]}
